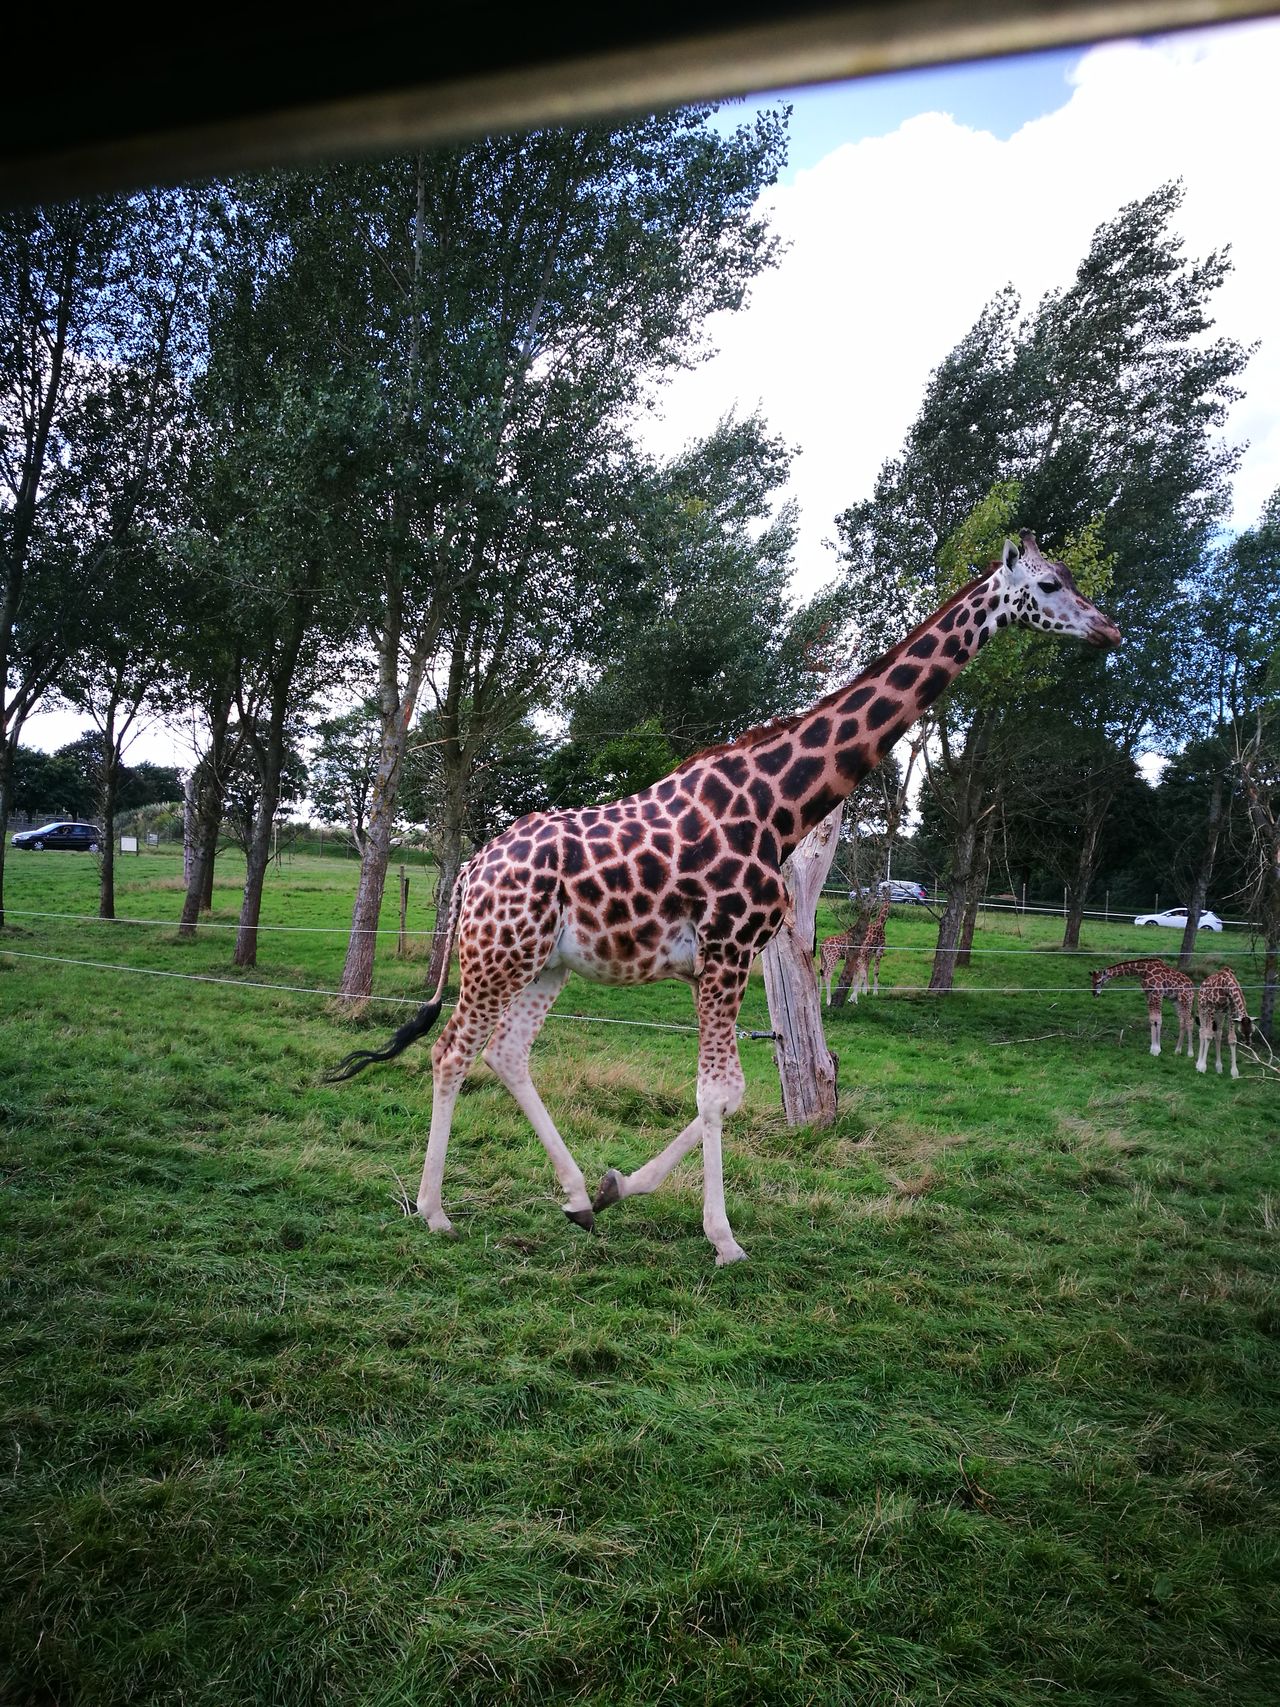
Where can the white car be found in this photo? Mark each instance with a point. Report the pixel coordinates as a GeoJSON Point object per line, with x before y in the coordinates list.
{"type": "Point", "coordinates": [1176, 919]}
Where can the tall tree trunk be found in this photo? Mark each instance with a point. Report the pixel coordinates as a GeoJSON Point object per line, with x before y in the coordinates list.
{"type": "Point", "coordinates": [1204, 873]}
{"type": "Point", "coordinates": [1267, 1007]}
{"type": "Point", "coordinates": [806, 1066]}
{"type": "Point", "coordinates": [259, 855]}
{"type": "Point", "coordinates": [450, 839]}
{"type": "Point", "coordinates": [979, 890]}
{"type": "Point", "coordinates": [960, 888]}
{"type": "Point", "coordinates": [209, 782]}
{"type": "Point", "coordinates": [1079, 889]}
{"type": "Point", "coordinates": [107, 799]}
{"type": "Point", "coordinates": [968, 810]}
{"type": "Point", "coordinates": [215, 830]}
{"type": "Point", "coordinates": [357, 971]}
{"type": "Point", "coordinates": [6, 799]}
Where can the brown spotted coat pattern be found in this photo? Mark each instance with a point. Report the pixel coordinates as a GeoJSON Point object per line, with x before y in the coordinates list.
{"type": "Point", "coordinates": [1160, 983]}
{"type": "Point", "coordinates": [683, 880]}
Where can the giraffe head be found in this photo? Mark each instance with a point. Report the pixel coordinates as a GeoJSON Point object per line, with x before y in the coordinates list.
{"type": "Point", "coordinates": [1035, 592]}
{"type": "Point", "coordinates": [1098, 978]}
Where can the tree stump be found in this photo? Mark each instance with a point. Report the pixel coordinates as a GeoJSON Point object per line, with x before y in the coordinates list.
{"type": "Point", "coordinates": [806, 1067]}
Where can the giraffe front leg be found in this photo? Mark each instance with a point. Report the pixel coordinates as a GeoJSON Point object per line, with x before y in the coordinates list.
{"type": "Point", "coordinates": [721, 1088]}
{"type": "Point", "coordinates": [1153, 1013]}
{"type": "Point", "coordinates": [1202, 1059]}
{"type": "Point", "coordinates": [1231, 1045]}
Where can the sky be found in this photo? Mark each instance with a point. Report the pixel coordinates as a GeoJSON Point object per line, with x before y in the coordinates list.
{"type": "Point", "coordinates": [909, 200]}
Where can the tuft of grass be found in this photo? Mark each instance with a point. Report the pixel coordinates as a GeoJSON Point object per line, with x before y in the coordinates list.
{"type": "Point", "coordinates": [989, 1418]}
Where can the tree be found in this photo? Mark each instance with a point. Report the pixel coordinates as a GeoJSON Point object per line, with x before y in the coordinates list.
{"type": "Point", "coordinates": [343, 767]}
{"type": "Point", "coordinates": [273, 508]}
{"type": "Point", "coordinates": [61, 286]}
{"type": "Point", "coordinates": [1097, 415]}
{"type": "Point", "coordinates": [510, 299]}
{"type": "Point", "coordinates": [1245, 617]}
{"type": "Point", "coordinates": [708, 641]}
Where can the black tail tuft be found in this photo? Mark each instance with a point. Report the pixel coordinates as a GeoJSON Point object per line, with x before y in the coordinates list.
{"type": "Point", "coordinates": [359, 1059]}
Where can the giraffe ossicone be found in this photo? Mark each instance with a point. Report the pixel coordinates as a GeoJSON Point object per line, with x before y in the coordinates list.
{"type": "Point", "coordinates": [683, 880]}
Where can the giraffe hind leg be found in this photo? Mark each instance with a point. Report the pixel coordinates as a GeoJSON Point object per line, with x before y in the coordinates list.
{"type": "Point", "coordinates": [455, 1049]}
{"type": "Point", "coordinates": [507, 1053]}
{"type": "Point", "coordinates": [1206, 1030]}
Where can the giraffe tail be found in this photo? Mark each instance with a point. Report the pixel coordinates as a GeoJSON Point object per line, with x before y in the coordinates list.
{"type": "Point", "coordinates": [359, 1059]}
{"type": "Point", "coordinates": [427, 1014]}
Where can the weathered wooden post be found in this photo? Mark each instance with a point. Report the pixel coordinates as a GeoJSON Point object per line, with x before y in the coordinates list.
{"type": "Point", "coordinates": [404, 909]}
{"type": "Point", "coordinates": [806, 1066]}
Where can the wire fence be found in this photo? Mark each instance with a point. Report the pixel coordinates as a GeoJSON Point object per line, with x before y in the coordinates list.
{"type": "Point", "coordinates": [410, 931]}
{"type": "Point", "coordinates": [1045, 955]}
{"type": "Point", "coordinates": [1107, 915]}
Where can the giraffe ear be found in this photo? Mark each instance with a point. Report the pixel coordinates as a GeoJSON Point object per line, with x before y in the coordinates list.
{"type": "Point", "coordinates": [1012, 552]}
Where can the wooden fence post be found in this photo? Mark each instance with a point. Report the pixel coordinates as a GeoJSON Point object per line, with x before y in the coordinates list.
{"type": "Point", "coordinates": [806, 1066]}
{"type": "Point", "coordinates": [404, 910]}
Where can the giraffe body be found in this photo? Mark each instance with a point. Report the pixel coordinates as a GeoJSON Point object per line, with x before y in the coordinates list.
{"type": "Point", "coordinates": [1160, 983]}
{"type": "Point", "coordinates": [1221, 1003]}
{"type": "Point", "coordinates": [683, 880]}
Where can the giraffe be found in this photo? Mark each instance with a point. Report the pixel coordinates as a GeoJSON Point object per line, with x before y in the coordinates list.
{"type": "Point", "coordinates": [871, 951]}
{"type": "Point", "coordinates": [683, 880]}
{"type": "Point", "coordinates": [1221, 1003]}
{"type": "Point", "coordinates": [831, 951]}
{"type": "Point", "coordinates": [1160, 981]}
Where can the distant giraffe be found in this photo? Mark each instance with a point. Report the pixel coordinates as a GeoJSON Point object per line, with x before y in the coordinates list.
{"type": "Point", "coordinates": [832, 950]}
{"type": "Point", "coordinates": [871, 951]}
{"type": "Point", "coordinates": [683, 880]}
{"type": "Point", "coordinates": [1160, 982]}
{"type": "Point", "coordinates": [1222, 1003]}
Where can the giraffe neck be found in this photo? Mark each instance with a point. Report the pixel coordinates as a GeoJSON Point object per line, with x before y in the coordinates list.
{"type": "Point", "coordinates": [795, 771]}
{"type": "Point", "coordinates": [1131, 969]}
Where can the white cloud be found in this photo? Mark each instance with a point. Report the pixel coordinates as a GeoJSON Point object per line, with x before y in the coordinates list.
{"type": "Point", "coordinates": [896, 242]}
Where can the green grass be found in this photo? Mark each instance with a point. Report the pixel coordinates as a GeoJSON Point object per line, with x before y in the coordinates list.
{"type": "Point", "coordinates": [989, 1418]}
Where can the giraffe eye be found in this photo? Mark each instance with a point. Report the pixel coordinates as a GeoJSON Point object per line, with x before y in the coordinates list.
{"type": "Point", "coordinates": [1049, 586]}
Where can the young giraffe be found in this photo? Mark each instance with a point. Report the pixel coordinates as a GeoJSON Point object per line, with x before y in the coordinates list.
{"type": "Point", "coordinates": [1160, 981]}
{"type": "Point", "coordinates": [682, 880]}
{"type": "Point", "coordinates": [1221, 1002]}
{"type": "Point", "coordinates": [832, 950]}
{"type": "Point", "coordinates": [871, 952]}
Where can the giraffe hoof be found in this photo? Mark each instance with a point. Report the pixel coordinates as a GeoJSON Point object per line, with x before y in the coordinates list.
{"type": "Point", "coordinates": [735, 1253]}
{"type": "Point", "coordinates": [583, 1218]}
{"type": "Point", "coordinates": [609, 1191]}
{"type": "Point", "coordinates": [442, 1225]}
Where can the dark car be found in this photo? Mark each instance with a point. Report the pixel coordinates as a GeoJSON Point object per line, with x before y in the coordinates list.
{"type": "Point", "coordinates": [62, 833]}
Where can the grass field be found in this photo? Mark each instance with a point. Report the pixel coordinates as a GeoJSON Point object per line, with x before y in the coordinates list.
{"type": "Point", "coordinates": [989, 1418]}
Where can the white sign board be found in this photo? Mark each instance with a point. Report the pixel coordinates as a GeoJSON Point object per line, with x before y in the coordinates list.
{"type": "Point", "coordinates": [128, 844]}
{"type": "Point", "coordinates": [153, 839]}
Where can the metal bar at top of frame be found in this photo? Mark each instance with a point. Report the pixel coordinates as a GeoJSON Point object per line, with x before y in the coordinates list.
{"type": "Point", "coordinates": [656, 67]}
